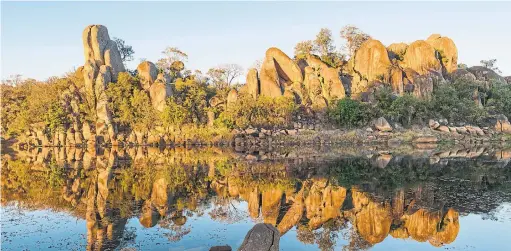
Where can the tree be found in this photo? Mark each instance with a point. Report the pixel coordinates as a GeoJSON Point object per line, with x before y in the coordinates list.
{"type": "Point", "coordinates": [257, 64]}
{"type": "Point", "coordinates": [490, 64]}
{"type": "Point", "coordinates": [13, 80]}
{"type": "Point", "coordinates": [125, 50]}
{"type": "Point", "coordinates": [304, 48]}
{"type": "Point", "coordinates": [171, 56]}
{"type": "Point", "coordinates": [354, 38]}
{"type": "Point", "coordinates": [173, 62]}
{"type": "Point", "coordinates": [324, 42]}
{"type": "Point", "coordinates": [223, 75]}
{"type": "Point", "coordinates": [119, 95]}
{"type": "Point", "coordinates": [191, 95]}
{"type": "Point", "coordinates": [174, 114]}
{"type": "Point", "coordinates": [323, 46]}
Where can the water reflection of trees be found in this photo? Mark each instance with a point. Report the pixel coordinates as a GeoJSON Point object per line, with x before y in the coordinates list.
{"type": "Point", "coordinates": [361, 199]}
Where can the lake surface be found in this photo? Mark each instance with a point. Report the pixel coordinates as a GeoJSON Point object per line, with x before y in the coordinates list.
{"type": "Point", "coordinates": [319, 199]}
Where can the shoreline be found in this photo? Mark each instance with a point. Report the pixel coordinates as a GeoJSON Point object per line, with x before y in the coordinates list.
{"type": "Point", "coordinates": [258, 139]}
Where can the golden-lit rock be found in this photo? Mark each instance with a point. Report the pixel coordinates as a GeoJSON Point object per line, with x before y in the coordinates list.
{"type": "Point", "coordinates": [420, 56]}
{"type": "Point", "coordinates": [447, 50]}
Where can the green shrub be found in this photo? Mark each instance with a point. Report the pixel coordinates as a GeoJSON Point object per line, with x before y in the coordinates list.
{"type": "Point", "coordinates": [30, 102]}
{"type": "Point", "coordinates": [408, 109]}
{"type": "Point", "coordinates": [455, 102]}
{"type": "Point", "coordinates": [350, 113]}
{"type": "Point", "coordinates": [119, 95]}
{"type": "Point", "coordinates": [499, 100]}
{"type": "Point", "coordinates": [191, 95]}
{"type": "Point", "coordinates": [144, 116]}
{"type": "Point", "coordinates": [56, 117]}
{"type": "Point", "coordinates": [384, 99]}
{"type": "Point", "coordinates": [263, 112]}
{"type": "Point", "coordinates": [174, 114]}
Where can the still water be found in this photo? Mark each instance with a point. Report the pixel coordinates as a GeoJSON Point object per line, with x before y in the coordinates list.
{"type": "Point", "coordinates": [318, 199]}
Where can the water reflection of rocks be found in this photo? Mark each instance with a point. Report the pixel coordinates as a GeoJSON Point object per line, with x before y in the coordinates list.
{"type": "Point", "coordinates": [363, 195]}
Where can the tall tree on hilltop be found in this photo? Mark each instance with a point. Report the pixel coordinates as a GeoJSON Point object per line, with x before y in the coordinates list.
{"type": "Point", "coordinates": [223, 75]}
{"type": "Point", "coordinates": [172, 62]}
{"type": "Point", "coordinates": [324, 47]}
{"type": "Point", "coordinates": [125, 50]}
{"type": "Point", "coordinates": [354, 38]}
{"type": "Point", "coordinates": [324, 43]}
{"type": "Point", "coordinates": [303, 49]}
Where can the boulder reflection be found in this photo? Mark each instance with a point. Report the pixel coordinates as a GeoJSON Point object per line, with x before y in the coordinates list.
{"type": "Point", "coordinates": [409, 197]}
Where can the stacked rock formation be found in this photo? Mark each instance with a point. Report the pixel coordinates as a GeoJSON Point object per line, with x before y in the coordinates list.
{"type": "Point", "coordinates": [156, 84]}
{"type": "Point", "coordinates": [447, 50]}
{"type": "Point", "coordinates": [278, 73]}
{"type": "Point", "coordinates": [414, 68]}
{"type": "Point", "coordinates": [102, 65]}
{"type": "Point", "coordinates": [371, 63]}
{"type": "Point", "coordinates": [307, 81]}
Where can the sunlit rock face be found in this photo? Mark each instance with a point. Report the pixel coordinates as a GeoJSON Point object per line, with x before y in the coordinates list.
{"type": "Point", "coordinates": [448, 229]}
{"type": "Point", "coordinates": [397, 50]}
{"type": "Point", "coordinates": [252, 87]}
{"type": "Point", "coordinates": [102, 65]}
{"type": "Point", "coordinates": [421, 57]}
{"type": "Point", "coordinates": [371, 63]}
{"type": "Point", "coordinates": [447, 51]}
{"type": "Point", "coordinates": [254, 203]}
{"type": "Point", "coordinates": [147, 73]}
{"type": "Point", "coordinates": [332, 86]}
{"type": "Point", "coordinates": [159, 195]}
{"type": "Point", "coordinates": [159, 92]}
{"type": "Point", "coordinates": [270, 84]}
{"type": "Point", "coordinates": [287, 72]}
{"type": "Point", "coordinates": [277, 72]}
{"type": "Point", "coordinates": [232, 97]}
{"type": "Point", "coordinates": [281, 76]}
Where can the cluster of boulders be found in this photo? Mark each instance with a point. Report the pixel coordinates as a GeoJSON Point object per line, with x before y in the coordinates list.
{"type": "Point", "coordinates": [414, 68]}
{"type": "Point", "coordinates": [155, 83]}
{"type": "Point", "coordinates": [501, 126]}
{"type": "Point", "coordinates": [102, 66]}
{"type": "Point", "coordinates": [81, 135]}
{"type": "Point", "coordinates": [306, 81]}
{"type": "Point", "coordinates": [259, 137]}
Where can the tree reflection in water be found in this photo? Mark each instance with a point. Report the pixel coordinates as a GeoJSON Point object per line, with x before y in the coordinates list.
{"type": "Point", "coordinates": [412, 196]}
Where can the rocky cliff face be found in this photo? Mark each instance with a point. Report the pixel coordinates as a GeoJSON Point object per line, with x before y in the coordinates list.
{"type": "Point", "coordinates": [102, 65]}
{"type": "Point", "coordinates": [278, 72]}
{"type": "Point", "coordinates": [414, 68]}
{"type": "Point", "coordinates": [308, 81]}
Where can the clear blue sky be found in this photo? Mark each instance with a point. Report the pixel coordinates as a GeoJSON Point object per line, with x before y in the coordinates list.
{"type": "Point", "coordinates": [41, 39]}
